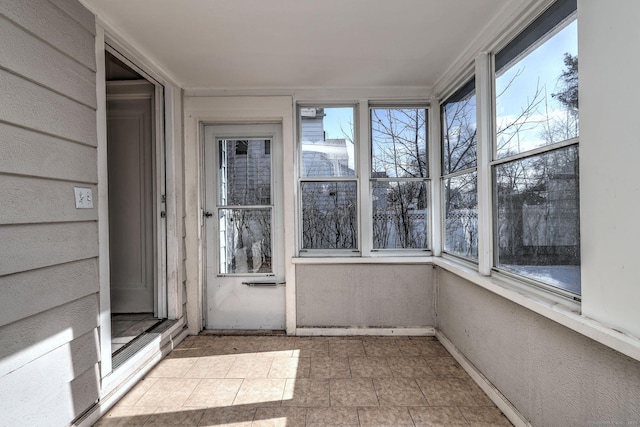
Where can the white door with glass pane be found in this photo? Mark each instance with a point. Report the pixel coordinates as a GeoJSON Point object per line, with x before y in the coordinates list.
{"type": "Point", "coordinates": [243, 227]}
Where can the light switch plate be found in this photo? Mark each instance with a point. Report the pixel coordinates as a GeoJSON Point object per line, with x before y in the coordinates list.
{"type": "Point", "coordinates": [84, 198]}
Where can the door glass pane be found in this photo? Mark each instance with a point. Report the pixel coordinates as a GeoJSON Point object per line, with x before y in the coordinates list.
{"type": "Point", "coordinates": [399, 214]}
{"type": "Point", "coordinates": [244, 172]}
{"type": "Point", "coordinates": [245, 240]}
{"type": "Point", "coordinates": [329, 215]}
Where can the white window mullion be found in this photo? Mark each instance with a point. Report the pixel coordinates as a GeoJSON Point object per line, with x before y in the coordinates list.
{"type": "Point", "coordinates": [484, 125]}
{"type": "Point", "coordinates": [435, 170]}
{"type": "Point", "coordinates": [364, 158]}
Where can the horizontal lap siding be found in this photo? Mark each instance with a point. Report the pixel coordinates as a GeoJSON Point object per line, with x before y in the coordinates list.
{"type": "Point", "coordinates": [49, 302]}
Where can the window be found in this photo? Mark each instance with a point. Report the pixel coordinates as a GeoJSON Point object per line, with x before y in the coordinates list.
{"type": "Point", "coordinates": [399, 197]}
{"type": "Point", "coordinates": [459, 173]}
{"type": "Point", "coordinates": [328, 179]}
{"type": "Point", "coordinates": [535, 156]}
{"type": "Point", "coordinates": [386, 204]}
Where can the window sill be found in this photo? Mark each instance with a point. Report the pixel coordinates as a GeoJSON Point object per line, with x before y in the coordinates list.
{"type": "Point", "coordinates": [560, 310]}
{"type": "Point", "coordinates": [363, 260]}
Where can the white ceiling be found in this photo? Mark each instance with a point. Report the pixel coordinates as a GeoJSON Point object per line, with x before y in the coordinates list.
{"type": "Point", "coordinates": [275, 44]}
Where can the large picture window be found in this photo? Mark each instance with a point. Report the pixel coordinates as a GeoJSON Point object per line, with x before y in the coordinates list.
{"type": "Point", "coordinates": [535, 166]}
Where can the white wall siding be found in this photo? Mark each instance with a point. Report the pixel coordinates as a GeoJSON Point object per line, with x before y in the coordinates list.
{"type": "Point", "coordinates": [48, 258]}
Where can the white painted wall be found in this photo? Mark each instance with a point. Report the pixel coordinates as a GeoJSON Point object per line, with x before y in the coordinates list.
{"type": "Point", "coordinates": [365, 296]}
{"type": "Point", "coordinates": [608, 40]}
{"type": "Point", "coordinates": [552, 375]}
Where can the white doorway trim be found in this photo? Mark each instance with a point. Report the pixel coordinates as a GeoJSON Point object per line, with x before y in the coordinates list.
{"type": "Point", "coordinates": [169, 124]}
{"type": "Point", "coordinates": [276, 109]}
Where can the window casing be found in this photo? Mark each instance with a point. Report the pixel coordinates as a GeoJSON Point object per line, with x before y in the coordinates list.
{"type": "Point", "coordinates": [534, 167]}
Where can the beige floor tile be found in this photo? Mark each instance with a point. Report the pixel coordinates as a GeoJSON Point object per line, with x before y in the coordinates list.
{"type": "Point", "coordinates": [278, 346]}
{"type": "Point", "coordinates": [168, 392]}
{"type": "Point", "coordinates": [352, 392]}
{"type": "Point", "coordinates": [306, 393]}
{"type": "Point", "coordinates": [346, 348]}
{"type": "Point", "coordinates": [280, 417]}
{"type": "Point", "coordinates": [214, 393]}
{"type": "Point", "coordinates": [409, 348]}
{"type": "Point", "coordinates": [332, 417]}
{"type": "Point", "coordinates": [229, 417]}
{"type": "Point", "coordinates": [446, 367]}
{"type": "Point", "coordinates": [409, 367]}
{"type": "Point", "coordinates": [175, 416]}
{"type": "Point", "coordinates": [250, 367]}
{"type": "Point", "coordinates": [211, 367]}
{"type": "Point", "coordinates": [369, 367]}
{"type": "Point", "coordinates": [398, 392]}
{"type": "Point", "coordinates": [129, 416]}
{"type": "Point", "coordinates": [260, 392]}
{"type": "Point", "coordinates": [320, 381]}
{"type": "Point", "coordinates": [438, 417]}
{"type": "Point", "coordinates": [242, 346]}
{"type": "Point", "coordinates": [289, 367]}
{"type": "Point", "coordinates": [431, 348]}
{"type": "Point", "coordinates": [384, 417]}
{"type": "Point", "coordinates": [329, 367]}
{"type": "Point", "coordinates": [137, 392]}
{"type": "Point", "coordinates": [476, 392]}
{"type": "Point", "coordinates": [445, 392]}
{"type": "Point", "coordinates": [172, 367]}
{"type": "Point", "coordinates": [311, 348]}
{"type": "Point", "coordinates": [381, 348]}
{"type": "Point", "coordinates": [485, 417]}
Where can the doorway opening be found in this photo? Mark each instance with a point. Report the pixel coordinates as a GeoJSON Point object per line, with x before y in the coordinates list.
{"type": "Point", "coordinates": [136, 202]}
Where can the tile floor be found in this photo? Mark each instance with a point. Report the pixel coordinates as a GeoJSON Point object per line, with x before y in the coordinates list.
{"type": "Point", "coordinates": [298, 381]}
{"type": "Point", "coordinates": [126, 327]}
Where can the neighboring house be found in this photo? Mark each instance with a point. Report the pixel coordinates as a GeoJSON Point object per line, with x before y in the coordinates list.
{"type": "Point", "coordinates": [109, 116]}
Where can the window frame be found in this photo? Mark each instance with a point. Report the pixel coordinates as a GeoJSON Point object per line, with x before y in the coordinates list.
{"type": "Point", "coordinates": [555, 18]}
{"type": "Point", "coordinates": [467, 87]}
{"type": "Point", "coordinates": [327, 252]}
{"type": "Point", "coordinates": [425, 180]}
{"type": "Point", "coordinates": [362, 177]}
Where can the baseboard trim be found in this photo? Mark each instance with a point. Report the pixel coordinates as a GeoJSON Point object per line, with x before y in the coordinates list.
{"type": "Point", "coordinates": [340, 332]}
{"type": "Point", "coordinates": [510, 411]}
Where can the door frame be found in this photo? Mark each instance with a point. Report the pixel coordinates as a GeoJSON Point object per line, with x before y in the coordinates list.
{"type": "Point", "coordinates": [233, 110]}
{"type": "Point", "coordinates": [168, 122]}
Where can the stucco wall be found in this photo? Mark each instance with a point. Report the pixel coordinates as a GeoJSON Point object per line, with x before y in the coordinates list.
{"type": "Point", "coordinates": [552, 375]}
{"type": "Point", "coordinates": [372, 295]}
{"type": "Point", "coordinates": [48, 252]}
